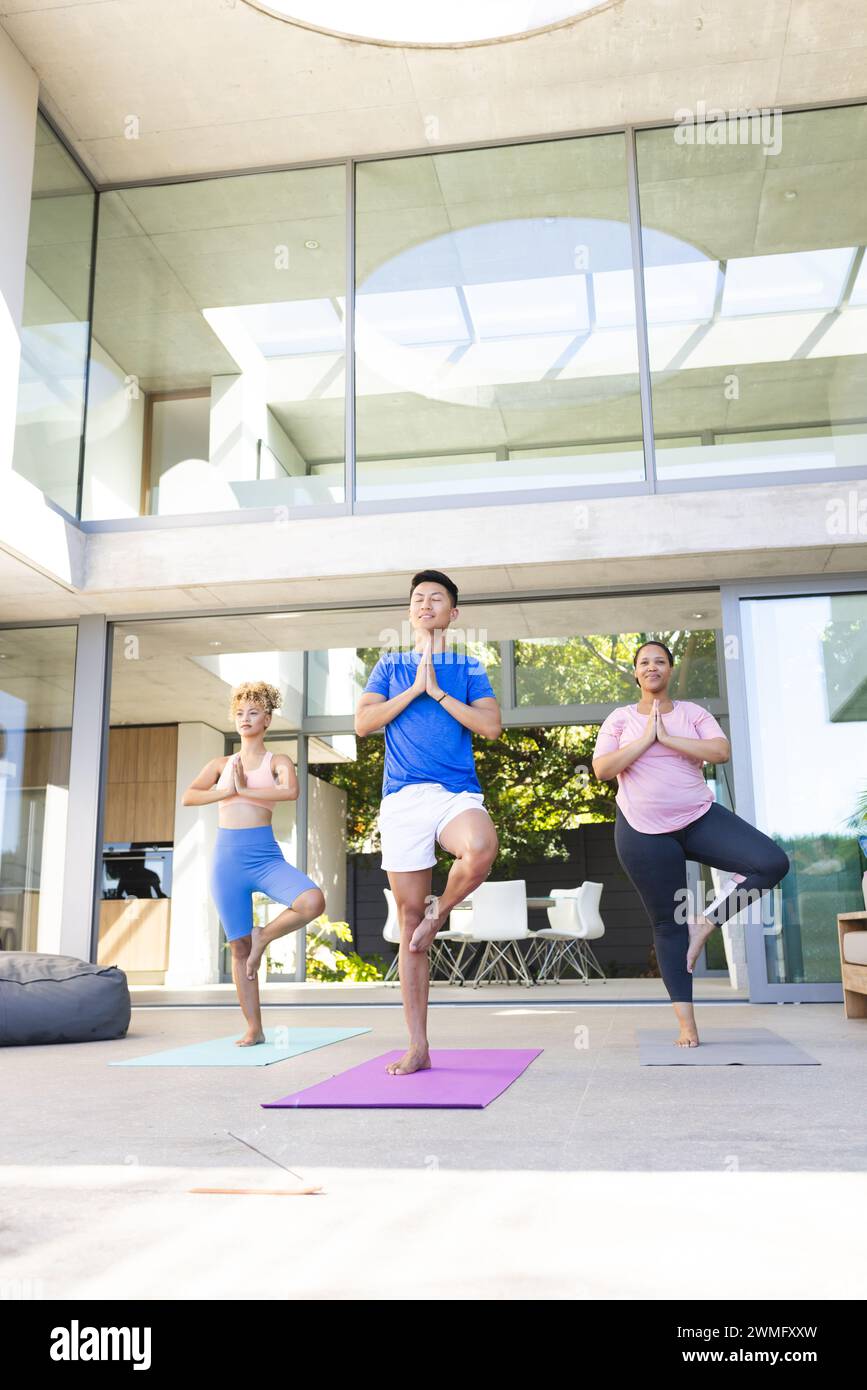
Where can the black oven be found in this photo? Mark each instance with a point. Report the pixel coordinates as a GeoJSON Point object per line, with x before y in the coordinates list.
{"type": "Point", "coordinates": [136, 871]}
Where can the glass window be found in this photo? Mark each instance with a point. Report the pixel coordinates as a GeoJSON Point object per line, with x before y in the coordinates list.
{"type": "Point", "coordinates": [336, 678]}
{"type": "Point", "coordinates": [806, 673]}
{"type": "Point", "coordinates": [37, 668]}
{"type": "Point", "coordinates": [756, 291]}
{"type": "Point", "coordinates": [495, 340]}
{"type": "Point", "coordinates": [571, 661]}
{"type": "Point", "coordinates": [217, 361]}
{"type": "Point", "coordinates": [54, 323]}
{"type": "Point", "coordinates": [170, 690]}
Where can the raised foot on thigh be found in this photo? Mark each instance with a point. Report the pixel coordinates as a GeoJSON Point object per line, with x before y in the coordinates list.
{"type": "Point", "coordinates": [698, 935]}
{"type": "Point", "coordinates": [426, 930]}
{"type": "Point", "coordinates": [257, 950]}
{"type": "Point", "coordinates": [414, 1059]}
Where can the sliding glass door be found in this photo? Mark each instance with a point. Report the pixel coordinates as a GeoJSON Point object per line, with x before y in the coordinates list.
{"type": "Point", "coordinates": [803, 720]}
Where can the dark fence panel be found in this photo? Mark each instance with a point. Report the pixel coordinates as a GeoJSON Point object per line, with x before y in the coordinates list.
{"type": "Point", "coordinates": [623, 950]}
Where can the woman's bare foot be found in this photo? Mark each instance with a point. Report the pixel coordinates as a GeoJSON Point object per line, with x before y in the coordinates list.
{"type": "Point", "coordinates": [414, 1059]}
{"type": "Point", "coordinates": [686, 1018]}
{"type": "Point", "coordinates": [698, 935]}
{"type": "Point", "coordinates": [257, 950]}
{"type": "Point", "coordinates": [252, 1035]}
{"type": "Point", "coordinates": [427, 928]}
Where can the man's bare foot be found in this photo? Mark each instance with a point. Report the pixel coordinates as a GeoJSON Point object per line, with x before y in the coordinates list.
{"type": "Point", "coordinates": [257, 950]}
{"type": "Point", "coordinates": [414, 1059]}
{"type": "Point", "coordinates": [427, 927]}
{"type": "Point", "coordinates": [698, 935]}
{"type": "Point", "coordinates": [252, 1036]}
{"type": "Point", "coordinates": [688, 1036]}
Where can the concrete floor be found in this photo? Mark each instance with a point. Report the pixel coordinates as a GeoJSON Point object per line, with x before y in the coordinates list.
{"type": "Point", "coordinates": [581, 1180]}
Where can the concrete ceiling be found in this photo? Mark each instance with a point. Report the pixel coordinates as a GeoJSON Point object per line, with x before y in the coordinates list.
{"type": "Point", "coordinates": [218, 84]}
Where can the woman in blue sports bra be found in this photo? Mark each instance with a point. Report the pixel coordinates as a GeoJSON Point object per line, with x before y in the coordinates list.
{"type": "Point", "coordinates": [247, 857]}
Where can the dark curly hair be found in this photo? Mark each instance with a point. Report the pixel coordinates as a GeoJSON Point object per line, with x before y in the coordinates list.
{"type": "Point", "coordinates": [640, 649]}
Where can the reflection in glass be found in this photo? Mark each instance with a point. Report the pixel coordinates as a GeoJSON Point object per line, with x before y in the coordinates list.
{"type": "Point", "coordinates": [36, 678]}
{"type": "Point", "coordinates": [54, 323]}
{"type": "Point", "coordinates": [495, 321]}
{"type": "Point", "coordinates": [756, 296]}
{"type": "Point", "coordinates": [217, 360]}
{"type": "Point", "coordinates": [336, 678]}
{"type": "Point", "coordinates": [595, 669]}
{"type": "Point", "coordinates": [806, 670]}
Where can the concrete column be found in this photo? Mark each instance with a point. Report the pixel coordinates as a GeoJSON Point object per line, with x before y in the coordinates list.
{"type": "Point", "coordinates": [54, 829]}
{"type": "Point", "coordinates": [326, 846]}
{"type": "Point", "coordinates": [195, 934]}
{"type": "Point", "coordinates": [88, 747]}
{"type": "Point", "coordinates": [19, 91]}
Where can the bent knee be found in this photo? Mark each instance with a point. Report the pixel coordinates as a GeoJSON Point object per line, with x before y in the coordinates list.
{"type": "Point", "coordinates": [312, 901]}
{"type": "Point", "coordinates": [778, 867]}
{"type": "Point", "coordinates": [480, 854]}
{"type": "Point", "coordinates": [409, 915]}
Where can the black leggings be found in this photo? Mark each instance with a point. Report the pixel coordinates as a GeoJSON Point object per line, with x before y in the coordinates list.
{"type": "Point", "coordinates": [656, 865]}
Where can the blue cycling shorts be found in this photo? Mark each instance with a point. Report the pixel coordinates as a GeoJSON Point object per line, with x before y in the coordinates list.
{"type": "Point", "coordinates": [246, 861]}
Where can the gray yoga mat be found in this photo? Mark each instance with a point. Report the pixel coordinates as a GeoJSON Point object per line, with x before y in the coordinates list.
{"type": "Point", "coordinates": [721, 1047]}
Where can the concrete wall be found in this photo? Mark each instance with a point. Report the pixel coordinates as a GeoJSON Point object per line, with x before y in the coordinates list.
{"type": "Point", "coordinates": [19, 89]}
{"type": "Point", "coordinates": [732, 532]}
{"type": "Point", "coordinates": [326, 844]}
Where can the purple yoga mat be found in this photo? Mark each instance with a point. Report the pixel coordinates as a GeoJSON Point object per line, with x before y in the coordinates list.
{"type": "Point", "coordinates": [456, 1080]}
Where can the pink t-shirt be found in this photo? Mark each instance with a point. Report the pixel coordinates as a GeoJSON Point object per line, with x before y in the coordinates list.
{"type": "Point", "coordinates": [663, 789]}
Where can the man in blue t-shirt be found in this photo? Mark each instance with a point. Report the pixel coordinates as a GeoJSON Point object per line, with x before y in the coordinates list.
{"type": "Point", "coordinates": [429, 701]}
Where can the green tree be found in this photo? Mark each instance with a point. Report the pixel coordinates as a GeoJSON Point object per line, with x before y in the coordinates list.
{"type": "Point", "coordinates": [538, 781]}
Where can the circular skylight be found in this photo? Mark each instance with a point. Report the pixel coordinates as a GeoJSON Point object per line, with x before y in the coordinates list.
{"type": "Point", "coordinates": [447, 23]}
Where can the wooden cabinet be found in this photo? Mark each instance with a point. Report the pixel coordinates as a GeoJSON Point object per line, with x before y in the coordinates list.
{"type": "Point", "coordinates": [134, 935]}
{"type": "Point", "coordinates": [141, 786]}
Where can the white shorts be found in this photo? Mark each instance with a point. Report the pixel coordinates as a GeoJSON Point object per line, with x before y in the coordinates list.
{"type": "Point", "coordinates": [411, 819]}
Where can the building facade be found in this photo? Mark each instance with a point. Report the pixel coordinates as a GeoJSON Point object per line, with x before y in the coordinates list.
{"type": "Point", "coordinates": [613, 380]}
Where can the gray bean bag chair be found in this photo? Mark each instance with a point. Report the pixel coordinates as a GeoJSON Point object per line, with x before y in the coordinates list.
{"type": "Point", "coordinates": [60, 999]}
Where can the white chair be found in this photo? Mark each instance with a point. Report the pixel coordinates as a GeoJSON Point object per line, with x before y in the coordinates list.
{"type": "Point", "coordinates": [458, 934]}
{"type": "Point", "coordinates": [588, 898]}
{"type": "Point", "coordinates": [391, 934]}
{"type": "Point", "coordinates": [499, 922]}
{"type": "Point", "coordinates": [557, 943]}
{"type": "Point", "coordinates": [438, 952]}
{"type": "Point", "coordinates": [574, 921]}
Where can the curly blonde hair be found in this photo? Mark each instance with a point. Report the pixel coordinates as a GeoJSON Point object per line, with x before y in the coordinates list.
{"type": "Point", "coordinates": [260, 692]}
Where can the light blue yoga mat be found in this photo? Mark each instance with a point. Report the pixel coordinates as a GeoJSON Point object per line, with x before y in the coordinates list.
{"type": "Point", "coordinates": [281, 1044]}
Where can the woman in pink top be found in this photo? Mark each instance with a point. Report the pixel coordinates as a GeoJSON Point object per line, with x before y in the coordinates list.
{"type": "Point", "coordinates": [666, 814]}
{"type": "Point", "coordinates": [247, 857]}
